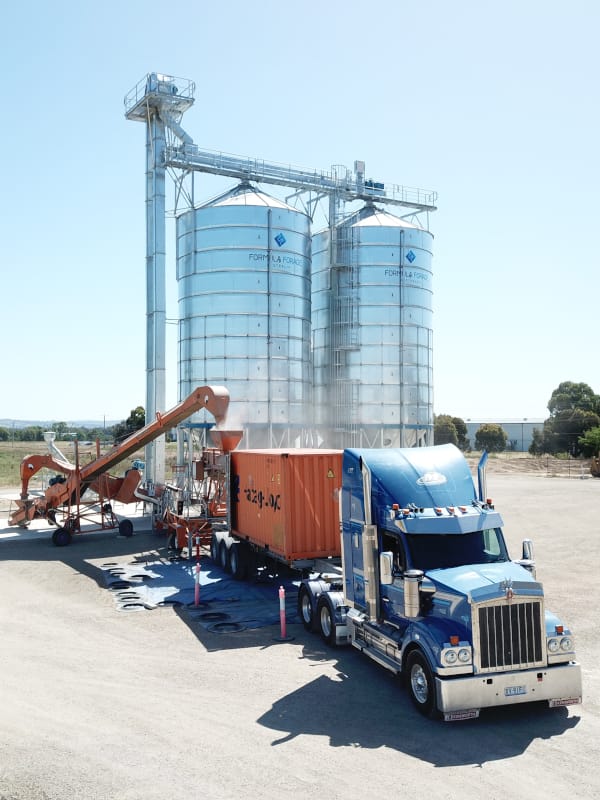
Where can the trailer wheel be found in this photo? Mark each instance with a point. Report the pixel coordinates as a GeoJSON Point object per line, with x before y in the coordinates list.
{"type": "Point", "coordinates": [126, 528]}
{"type": "Point", "coordinates": [224, 561]}
{"type": "Point", "coordinates": [238, 561]}
{"type": "Point", "coordinates": [325, 621]}
{"type": "Point", "coordinates": [249, 557]}
{"type": "Point", "coordinates": [214, 548]}
{"type": "Point", "coordinates": [61, 537]}
{"type": "Point", "coordinates": [420, 684]}
{"type": "Point", "coordinates": [305, 608]}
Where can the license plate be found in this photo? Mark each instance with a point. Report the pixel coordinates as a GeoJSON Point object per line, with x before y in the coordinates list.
{"type": "Point", "coordinates": [512, 691]}
{"type": "Point", "coordinates": [455, 716]}
{"type": "Point", "coordinates": [564, 701]}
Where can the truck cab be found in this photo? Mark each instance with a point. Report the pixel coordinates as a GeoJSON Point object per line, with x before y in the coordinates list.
{"type": "Point", "coordinates": [429, 591]}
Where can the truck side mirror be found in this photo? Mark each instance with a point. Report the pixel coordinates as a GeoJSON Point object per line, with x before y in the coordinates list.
{"type": "Point", "coordinates": [527, 550]}
{"type": "Point", "coordinates": [386, 563]}
{"type": "Point", "coordinates": [527, 560]}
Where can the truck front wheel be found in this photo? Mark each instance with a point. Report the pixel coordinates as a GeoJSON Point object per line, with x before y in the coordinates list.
{"type": "Point", "coordinates": [420, 684]}
{"type": "Point", "coordinates": [325, 621]}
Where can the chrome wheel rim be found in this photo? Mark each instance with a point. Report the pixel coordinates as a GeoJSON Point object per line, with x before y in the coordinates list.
{"type": "Point", "coordinates": [306, 609]}
{"type": "Point", "coordinates": [418, 682]}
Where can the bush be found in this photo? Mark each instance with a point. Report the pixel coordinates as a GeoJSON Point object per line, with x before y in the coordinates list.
{"type": "Point", "coordinates": [491, 437]}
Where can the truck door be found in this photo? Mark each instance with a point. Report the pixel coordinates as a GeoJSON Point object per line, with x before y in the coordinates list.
{"type": "Point", "coordinates": [353, 520]}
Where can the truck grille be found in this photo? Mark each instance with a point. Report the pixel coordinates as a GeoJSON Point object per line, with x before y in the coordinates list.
{"type": "Point", "coordinates": [508, 635]}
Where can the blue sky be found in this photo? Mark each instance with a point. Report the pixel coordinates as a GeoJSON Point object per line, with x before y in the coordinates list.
{"type": "Point", "coordinates": [492, 105]}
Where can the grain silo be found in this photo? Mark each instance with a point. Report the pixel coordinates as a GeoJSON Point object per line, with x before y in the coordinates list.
{"type": "Point", "coordinates": [372, 332]}
{"type": "Point", "coordinates": [243, 273]}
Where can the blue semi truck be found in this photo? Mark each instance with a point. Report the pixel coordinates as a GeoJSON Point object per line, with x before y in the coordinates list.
{"type": "Point", "coordinates": [425, 587]}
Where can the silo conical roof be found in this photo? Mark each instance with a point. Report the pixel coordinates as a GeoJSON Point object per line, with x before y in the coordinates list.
{"type": "Point", "coordinates": [375, 217]}
{"type": "Point", "coordinates": [247, 195]}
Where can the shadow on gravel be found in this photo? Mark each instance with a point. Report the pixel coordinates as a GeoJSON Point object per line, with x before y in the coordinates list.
{"type": "Point", "coordinates": [86, 553]}
{"type": "Point", "coordinates": [361, 705]}
{"type": "Point", "coordinates": [365, 706]}
{"type": "Point", "coordinates": [143, 576]}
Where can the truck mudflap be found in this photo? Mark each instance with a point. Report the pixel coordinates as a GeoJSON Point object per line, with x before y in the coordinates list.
{"type": "Point", "coordinates": [461, 698]}
{"type": "Point", "coordinates": [342, 635]}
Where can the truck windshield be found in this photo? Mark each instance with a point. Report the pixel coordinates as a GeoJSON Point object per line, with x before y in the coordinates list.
{"type": "Point", "coordinates": [441, 551]}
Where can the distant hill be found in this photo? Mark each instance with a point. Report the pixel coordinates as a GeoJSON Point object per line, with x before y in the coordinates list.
{"type": "Point", "coordinates": [47, 424]}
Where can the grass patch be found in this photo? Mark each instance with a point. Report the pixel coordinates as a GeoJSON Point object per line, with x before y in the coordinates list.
{"type": "Point", "coordinates": [13, 453]}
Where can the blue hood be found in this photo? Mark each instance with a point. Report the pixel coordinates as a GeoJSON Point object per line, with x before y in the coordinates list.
{"type": "Point", "coordinates": [478, 579]}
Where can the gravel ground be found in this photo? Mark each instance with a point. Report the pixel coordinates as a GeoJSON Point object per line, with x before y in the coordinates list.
{"type": "Point", "coordinates": [98, 704]}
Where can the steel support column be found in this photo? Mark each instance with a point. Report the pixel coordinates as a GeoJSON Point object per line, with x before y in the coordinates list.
{"type": "Point", "coordinates": [155, 291]}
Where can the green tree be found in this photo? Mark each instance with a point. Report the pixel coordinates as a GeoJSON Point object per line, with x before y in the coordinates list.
{"type": "Point", "coordinates": [4, 434]}
{"type": "Point", "coordinates": [491, 437]}
{"type": "Point", "coordinates": [135, 421]}
{"type": "Point", "coordinates": [448, 429]}
{"type": "Point", "coordinates": [444, 430]}
{"type": "Point", "coordinates": [590, 442]}
{"type": "Point", "coordinates": [32, 433]}
{"type": "Point", "coordinates": [61, 429]}
{"type": "Point", "coordinates": [564, 429]}
{"type": "Point", "coordinates": [574, 409]}
{"type": "Point", "coordinates": [536, 448]}
{"type": "Point", "coordinates": [569, 396]}
{"type": "Point", "coordinates": [567, 427]}
{"type": "Point", "coordinates": [461, 430]}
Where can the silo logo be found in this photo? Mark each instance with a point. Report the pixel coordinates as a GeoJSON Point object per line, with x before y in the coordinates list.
{"type": "Point", "coordinates": [280, 239]}
{"type": "Point", "coordinates": [410, 256]}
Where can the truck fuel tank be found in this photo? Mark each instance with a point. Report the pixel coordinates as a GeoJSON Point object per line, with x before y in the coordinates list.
{"type": "Point", "coordinates": [412, 584]}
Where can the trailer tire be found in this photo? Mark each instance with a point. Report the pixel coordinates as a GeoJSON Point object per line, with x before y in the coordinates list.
{"type": "Point", "coordinates": [126, 528]}
{"type": "Point", "coordinates": [224, 561]}
{"type": "Point", "coordinates": [326, 621]}
{"type": "Point", "coordinates": [61, 537]}
{"type": "Point", "coordinates": [214, 548]}
{"type": "Point", "coordinates": [237, 561]}
{"type": "Point", "coordinates": [420, 684]}
{"type": "Point", "coordinates": [249, 560]}
{"type": "Point", "coordinates": [305, 609]}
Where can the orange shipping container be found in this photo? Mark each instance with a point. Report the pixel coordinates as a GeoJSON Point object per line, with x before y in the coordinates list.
{"type": "Point", "coordinates": [287, 501]}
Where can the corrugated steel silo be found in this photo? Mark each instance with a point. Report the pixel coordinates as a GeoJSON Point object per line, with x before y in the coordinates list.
{"type": "Point", "coordinates": [243, 272]}
{"type": "Point", "coordinates": [372, 332]}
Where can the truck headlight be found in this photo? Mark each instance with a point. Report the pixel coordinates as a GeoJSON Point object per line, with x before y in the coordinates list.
{"type": "Point", "coordinates": [450, 656]}
{"type": "Point", "coordinates": [464, 655]}
{"type": "Point", "coordinates": [553, 645]}
{"type": "Point", "coordinates": [566, 644]}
